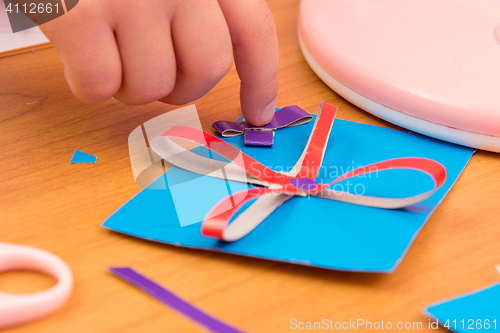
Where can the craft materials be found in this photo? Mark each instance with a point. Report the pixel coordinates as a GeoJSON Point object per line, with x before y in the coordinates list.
{"type": "Point", "coordinates": [263, 135]}
{"type": "Point", "coordinates": [473, 311]}
{"type": "Point", "coordinates": [172, 300]}
{"type": "Point", "coordinates": [311, 230]}
{"type": "Point", "coordinates": [280, 186]}
{"type": "Point", "coordinates": [81, 157]}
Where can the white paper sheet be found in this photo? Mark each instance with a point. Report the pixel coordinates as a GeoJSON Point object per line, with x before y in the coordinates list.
{"type": "Point", "coordinates": [12, 41]}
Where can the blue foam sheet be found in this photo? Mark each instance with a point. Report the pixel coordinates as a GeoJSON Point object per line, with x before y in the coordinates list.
{"type": "Point", "coordinates": [310, 230]}
{"type": "Point", "coordinates": [475, 311]}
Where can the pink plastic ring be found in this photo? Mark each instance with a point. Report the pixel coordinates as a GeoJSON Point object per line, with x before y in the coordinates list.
{"type": "Point", "coordinates": [18, 309]}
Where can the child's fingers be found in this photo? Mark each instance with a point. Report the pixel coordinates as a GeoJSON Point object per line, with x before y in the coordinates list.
{"type": "Point", "coordinates": [255, 48]}
{"type": "Point", "coordinates": [141, 66]}
{"type": "Point", "coordinates": [86, 44]}
{"type": "Point", "coordinates": [202, 47]}
{"type": "Point", "coordinates": [147, 55]}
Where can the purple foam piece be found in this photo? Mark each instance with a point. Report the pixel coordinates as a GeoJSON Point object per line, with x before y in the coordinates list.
{"type": "Point", "coordinates": [305, 184]}
{"type": "Point", "coordinates": [170, 299]}
{"type": "Point", "coordinates": [285, 117]}
{"type": "Point", "coordinates": [259, 137]}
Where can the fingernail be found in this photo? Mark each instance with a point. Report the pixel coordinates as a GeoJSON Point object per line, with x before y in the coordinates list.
{"type": "Point", "coordinates": [267, 113]}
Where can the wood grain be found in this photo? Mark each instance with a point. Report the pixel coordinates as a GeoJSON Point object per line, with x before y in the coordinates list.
{"type": "Point", "coordinates": [48, 203]}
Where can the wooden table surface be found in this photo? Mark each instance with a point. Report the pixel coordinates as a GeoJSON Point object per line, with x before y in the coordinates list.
{"type": "Point", "coordinates": [51, 204]}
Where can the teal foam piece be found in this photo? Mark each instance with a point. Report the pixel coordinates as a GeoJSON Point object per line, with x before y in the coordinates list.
{"type": "Point", "coordinates": [81, 157]}
{"type": "Point", "coordinates": [310, 231]}
{"type": "Point", "coordinates": [469, 312]}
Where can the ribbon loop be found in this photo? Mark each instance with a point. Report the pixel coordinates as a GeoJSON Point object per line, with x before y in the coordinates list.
{"type": "Point", "coordinates": [216, 223]}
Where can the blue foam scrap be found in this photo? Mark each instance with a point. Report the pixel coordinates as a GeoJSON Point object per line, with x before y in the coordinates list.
{"type": "Point", "coordinates": [81, 157]}
{"type": "Point", "coordinates": [474, 311]}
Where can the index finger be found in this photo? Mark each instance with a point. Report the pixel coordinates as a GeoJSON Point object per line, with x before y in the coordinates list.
{"type": "Point", "coordinates": [255, 49]}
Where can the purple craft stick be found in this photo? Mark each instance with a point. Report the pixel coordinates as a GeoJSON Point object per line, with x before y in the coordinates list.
{"type": "Point", "coordinates": [170, 299]}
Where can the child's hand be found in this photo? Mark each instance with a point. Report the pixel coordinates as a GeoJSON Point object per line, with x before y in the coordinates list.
{"type": "Point", "coordinates": [169, 50]}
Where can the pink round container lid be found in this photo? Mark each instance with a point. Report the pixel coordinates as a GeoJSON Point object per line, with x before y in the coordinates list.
{"type": "Point", "coordinates": [434, 60]}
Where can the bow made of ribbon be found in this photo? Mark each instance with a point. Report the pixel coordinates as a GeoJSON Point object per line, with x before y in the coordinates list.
{"type": "Point", "coordinates": [263, 135]}
{"type": "Point", "coordinates": [278, 187]}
